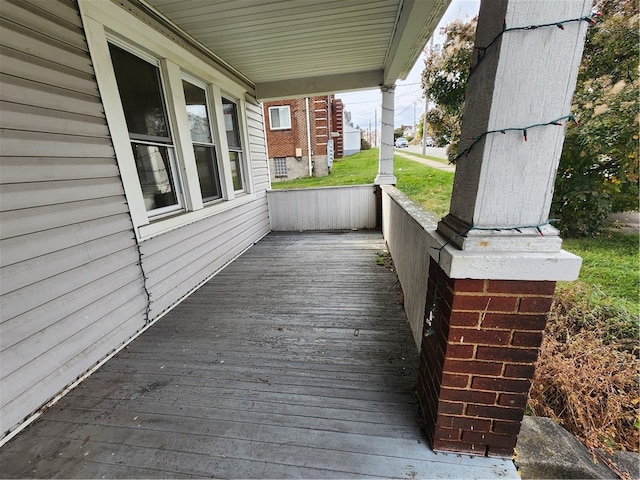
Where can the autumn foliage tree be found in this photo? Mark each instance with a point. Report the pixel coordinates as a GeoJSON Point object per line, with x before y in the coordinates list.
{"type": "Point", "coordinates": [598, 171]}
{"type": "Point", "coordinates": [444, 80]}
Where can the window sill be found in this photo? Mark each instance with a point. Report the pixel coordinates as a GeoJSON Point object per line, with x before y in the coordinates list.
{"type": "Point", "coordinates": [164, 225]}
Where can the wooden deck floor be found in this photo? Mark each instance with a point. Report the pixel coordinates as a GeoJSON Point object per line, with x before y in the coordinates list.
{"type": "Point", "coordinates": [296, 361]}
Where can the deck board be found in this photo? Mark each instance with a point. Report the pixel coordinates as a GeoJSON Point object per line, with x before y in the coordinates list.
{"type": "Point", "coordinates": [295, 361]}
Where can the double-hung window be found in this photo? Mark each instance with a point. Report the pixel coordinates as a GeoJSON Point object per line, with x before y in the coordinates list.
{"type": "Point", "coordinates": [177, 123]}
{"type": "Point", "coordinates": [202, 139]}
{"type": "Point", "coordinates": [149, 131]}
{"type": "Point", "coordinates": [234, 143]}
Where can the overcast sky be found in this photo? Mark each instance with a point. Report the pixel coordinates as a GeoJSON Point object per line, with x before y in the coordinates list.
{"type": "Point", "coordinates": [409, 101]}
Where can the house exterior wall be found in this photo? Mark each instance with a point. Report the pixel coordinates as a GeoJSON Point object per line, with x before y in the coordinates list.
{"type": "Point", "coordinates": [72, 289]}
{"type": "Point", "coordinates": [351, 140]}
{"type": "Point", "coordinates": [77, 278]}
{"type": "Point", "coordinates": [285, 143]}
{"type": "Point", "coordinates": [337, 121]}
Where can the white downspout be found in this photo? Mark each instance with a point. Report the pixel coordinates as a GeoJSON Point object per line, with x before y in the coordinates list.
{"type": "Point", "coordinates": [308, 136]}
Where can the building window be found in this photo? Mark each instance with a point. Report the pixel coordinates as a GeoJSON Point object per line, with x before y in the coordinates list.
{"type": "Point", "coordinates": [280, 167]}
{"type": "Point", "coordinates": [279, 117]}
{"type": "Point", "coordinates": [233, 141]}
{"type": "Point", "coordinates": [180, 144]}
{"type": "Point", "coordinates": [202, 139]}
{"type": "Point", "coordinates": [146, 115]}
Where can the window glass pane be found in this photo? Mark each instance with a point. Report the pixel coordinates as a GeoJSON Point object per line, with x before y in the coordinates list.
{"type": "Point", "coordinates": [196, 99]}
{"type": "Point", "coordinates": [141, 95]}
{"type": "Point", "coordinates": [279, 117]}
{"type": "Point", "coordinates": [208, 172]}
{"type": "Point", "coordinates": [236, 170]}
{"type": "Point", "coordinates": [231, 123]}
{"type": "Point", "coordinates": [154, 170]}
{"type": "Point", "coordinates": [274, 117]}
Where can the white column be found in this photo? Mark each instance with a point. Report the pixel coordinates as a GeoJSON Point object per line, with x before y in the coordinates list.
{"type": "Point", "coordinates": [526, 78]}
{"type": "Point", "coordinates": [385, 163]}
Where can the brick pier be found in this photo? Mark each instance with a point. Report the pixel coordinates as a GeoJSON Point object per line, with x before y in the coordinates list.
{"type": "Point", "coordinates": [477, 360]}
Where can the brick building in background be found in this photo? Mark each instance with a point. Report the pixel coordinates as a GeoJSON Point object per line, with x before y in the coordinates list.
{"type": "Point", "coordinates": [304, 135]}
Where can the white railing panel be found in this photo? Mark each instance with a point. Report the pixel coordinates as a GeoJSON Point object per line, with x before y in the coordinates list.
{"type": "Point", "coordinates": [405, 224]}
{"type": "Point", "coordinates": [324, 208]}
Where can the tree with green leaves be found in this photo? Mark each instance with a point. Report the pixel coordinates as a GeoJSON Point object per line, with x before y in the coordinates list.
{"type": "Point", "coordinates": [444, 80]}
{"type": "Point", "coordinates": [598, 171]}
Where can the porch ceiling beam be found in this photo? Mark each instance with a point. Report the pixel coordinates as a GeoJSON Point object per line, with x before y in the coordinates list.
{"type": "Point", "coordinates": [318, 85]}
{"type": "Point", "coordinates": [417, 20]}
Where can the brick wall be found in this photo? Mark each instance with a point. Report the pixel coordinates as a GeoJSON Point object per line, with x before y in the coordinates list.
{"type": "Point", "coordinates": [477, 360]}
{"type": "Point", "coordinates": [283, 143]}
{"type": "Point", "coordinates": [337, 119]}
{"type": "Point", "coordinates": [321, 124]}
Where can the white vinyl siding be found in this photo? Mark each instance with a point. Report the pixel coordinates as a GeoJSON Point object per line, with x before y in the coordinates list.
{"type": "Point", "coordinates": [72, 289]}
{"type": "Point", "coordinates": [72, 266]}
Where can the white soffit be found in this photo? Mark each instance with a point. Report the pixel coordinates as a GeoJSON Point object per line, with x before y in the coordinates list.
{"type": "Point", "coordinates": [289, 48]}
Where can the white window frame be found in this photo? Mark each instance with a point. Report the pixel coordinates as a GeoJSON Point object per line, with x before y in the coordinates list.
{"type": "Point", "coordinates": [211, 112]}
{"type": "Point", "coordinates": [280, 109]}
{"type": "Point", "coordinates": [239, 150]}
{"type": "Point", "coordinates": [107, 22]}
{"type": "Point", "coordinates": [176, 176]}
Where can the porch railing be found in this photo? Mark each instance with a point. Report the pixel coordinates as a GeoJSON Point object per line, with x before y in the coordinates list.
{"type": "Point", "coordinates": [405, 224]}
{"type": "Point", "coordinates": [326, 208]}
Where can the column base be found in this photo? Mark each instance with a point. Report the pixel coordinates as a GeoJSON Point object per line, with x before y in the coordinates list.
{"type": "Point", "coordinates": [479, 347]}
{"type": "Point", "coordinates": [385, 179]}
{"type": "Point", "coordinates": [541, 239]}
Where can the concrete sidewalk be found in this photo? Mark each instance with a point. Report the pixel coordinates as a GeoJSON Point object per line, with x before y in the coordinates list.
{"type": "Point", "coordinates": [447, 167]}
{"type": "Point", "coordinates": [625, 221]}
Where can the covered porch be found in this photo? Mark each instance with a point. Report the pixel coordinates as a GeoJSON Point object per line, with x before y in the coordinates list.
{"type": "Point", "coordinates": [295, 361]}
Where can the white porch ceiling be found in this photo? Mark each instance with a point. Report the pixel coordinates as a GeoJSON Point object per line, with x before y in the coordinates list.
{"type": "Point", "coordinates": [288, 48]}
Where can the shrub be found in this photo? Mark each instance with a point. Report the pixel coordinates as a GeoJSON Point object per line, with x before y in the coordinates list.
{"type": "Point", "coordinates": [586, 377]}
{"type": "Point", "coordinates": [364, 145]}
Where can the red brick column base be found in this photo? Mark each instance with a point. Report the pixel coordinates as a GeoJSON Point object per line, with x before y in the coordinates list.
{"type": "Point", "coordinates": [477, 360]}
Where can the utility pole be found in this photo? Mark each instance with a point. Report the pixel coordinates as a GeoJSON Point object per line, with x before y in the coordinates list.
{"type": "Point", "coordinates": [414, 119]}
{"type": "Point", "coordinates": [426, 109]}
{"type": "Point", "coordinates": [375, 128]}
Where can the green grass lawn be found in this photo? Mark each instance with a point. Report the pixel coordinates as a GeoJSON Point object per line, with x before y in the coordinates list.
{"type": "Point", "coordinates": [428, 186]}
{"type": "Point", "coordinates": [609, 261]}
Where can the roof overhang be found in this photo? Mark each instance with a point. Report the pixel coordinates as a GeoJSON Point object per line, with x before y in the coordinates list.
{"type": "Point", "coordinates": [296, 48]}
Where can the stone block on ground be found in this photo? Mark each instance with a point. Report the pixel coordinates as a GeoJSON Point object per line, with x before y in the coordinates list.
{"type": "Point", "coordinates": [546, 450]}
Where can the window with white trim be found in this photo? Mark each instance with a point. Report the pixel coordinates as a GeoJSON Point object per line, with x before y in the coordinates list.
{"type": "Point", "coordinates": [181, 143]}
{"type": "Point", "coordinates": [280, 117]}
{"type": "Point", "coordinates": [145, 111]}
{"type": "Point", "coordinates": [202, 138]}
{"type": "Point", "coordinates": [234, 143]}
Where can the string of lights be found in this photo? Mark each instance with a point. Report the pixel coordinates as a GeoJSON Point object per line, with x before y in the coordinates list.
{"type": "Point", "coordinates": [524, 130]}
{"type": "Point", "coordinates": [482, 51]}
{"type": "Point", "coordinates": [481, 54]}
